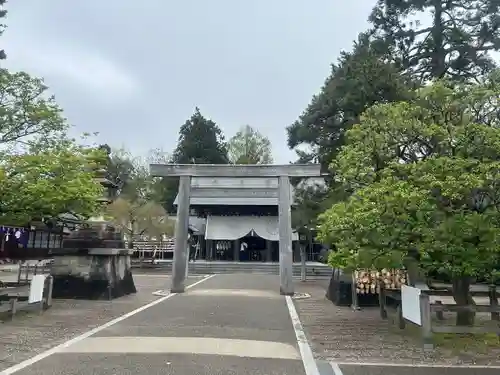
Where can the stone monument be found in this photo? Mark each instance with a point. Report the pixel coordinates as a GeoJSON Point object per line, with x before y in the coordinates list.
{"type": "Point", "coordinates": [93, 263]}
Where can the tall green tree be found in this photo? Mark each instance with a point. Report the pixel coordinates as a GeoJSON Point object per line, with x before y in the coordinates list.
{"type": "Point", "coordinates": [28, 115]}
{"type": "Point", "coordinates": [43, 172]}
{"type": "Point", "coordinates": [138, 211]}
{"type": "Point", "coordinates": [359, 79]}
{"type": "Point", "coordinates": [249, 146]}
{"type": "Point", "coordinates": [140, 218]}
{"type": "Point", "coordinates": [44, 183]}
{"type": "Point", "coordinates": [161, 189]}
{"type": "Point", "coordinates": [3, 14]}
{"type": "Point", "coordinates": [201, 141]}
{"type": "Point", "coordinates": [456, 44]}
{"type": "Point", "coordinates": [425, 179]}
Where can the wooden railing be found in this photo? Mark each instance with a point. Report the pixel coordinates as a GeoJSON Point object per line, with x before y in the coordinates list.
{"type": "Point", "coordinates": [153, 249]}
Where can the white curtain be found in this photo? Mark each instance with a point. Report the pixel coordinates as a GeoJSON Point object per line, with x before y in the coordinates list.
{"type": "Point", "coordinates": [235, 227]}
{"type": "Point", "coordinates": [225, 228]}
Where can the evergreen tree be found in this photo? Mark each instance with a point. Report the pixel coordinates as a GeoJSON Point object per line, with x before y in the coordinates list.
{"type": "Point", "coordinates": [201, 141]}
{"type": "Point", "coordinates": [3, 14]}
{"type": "Point", "coordinates": [455, 45]}
{"type": "Point", "coordinates": [360, 79]}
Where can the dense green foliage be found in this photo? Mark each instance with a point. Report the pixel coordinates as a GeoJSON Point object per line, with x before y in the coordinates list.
{"type": "Point", "coordinates": [359, 79]}
{"type": "Point", "coordinates": [3, 14]}
{"type": "Point", "coordinates": [43, 173]}
{"type": "Point", "coordinates": [138, 209]}
{"type": "Point", "coordinates": [425, 178]}
{"type": "Point", "coordinates": [249, 146]}
{"type": "Point", "coordinates": [412, 162]}
{"type": "Point", "coordinates": [45, 183]}
{"type": "Point", "coordinates": [200, 142]}
{"type": "Point", "coordinates": [455, 43]}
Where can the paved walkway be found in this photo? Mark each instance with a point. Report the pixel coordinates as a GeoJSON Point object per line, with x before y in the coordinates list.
{"type": "Point", "coordinates": [224, 324]}
{"type": "Point", "coordinates": [227, 324]}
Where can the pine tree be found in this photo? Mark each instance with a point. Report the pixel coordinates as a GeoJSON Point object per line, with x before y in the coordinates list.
{"type": "Point", "coordinates": [201, 141]}
{"type": "Point", "coordinates": [455, 45]}
{"type": "Point", "coordinates": [3, 14]}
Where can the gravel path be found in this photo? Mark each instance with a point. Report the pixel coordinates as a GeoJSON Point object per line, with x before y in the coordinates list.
{"type": "Point", "coordinates": [30, 334]}
{"type": "Point", "coordinates": [342, 335]}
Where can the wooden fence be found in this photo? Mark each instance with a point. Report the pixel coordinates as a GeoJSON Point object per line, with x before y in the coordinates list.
{"type": "Point", "coordinates": [154, 249]}
{"type": "Point", "coordinates": [427, 309]}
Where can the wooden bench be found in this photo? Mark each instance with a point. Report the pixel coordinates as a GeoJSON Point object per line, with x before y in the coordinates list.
{"type": "Point", "coordinates": [17, 298]}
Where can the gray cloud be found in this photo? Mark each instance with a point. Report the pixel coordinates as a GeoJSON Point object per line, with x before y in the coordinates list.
{"type": "Point", "coordinates": [134, 71]}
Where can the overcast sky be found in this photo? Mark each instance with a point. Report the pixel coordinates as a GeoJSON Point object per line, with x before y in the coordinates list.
{"type": "Point", "coordinates": [135, 70]}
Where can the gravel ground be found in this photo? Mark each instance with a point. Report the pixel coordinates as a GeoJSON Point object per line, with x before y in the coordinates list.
{"type": "Point", "coordinates": [341, 335]}
{"type": "Point", "coordinates": [29, 333]}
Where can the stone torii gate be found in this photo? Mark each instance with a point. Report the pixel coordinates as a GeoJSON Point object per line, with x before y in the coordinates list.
{"type": "Point", "coordinates": [281, 172]}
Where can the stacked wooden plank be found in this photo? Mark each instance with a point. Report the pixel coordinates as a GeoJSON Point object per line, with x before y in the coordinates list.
{"type": "Point", "coordinates": [369, 281]}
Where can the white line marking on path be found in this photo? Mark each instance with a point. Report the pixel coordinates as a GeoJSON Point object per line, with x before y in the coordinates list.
{"type": "Point", "coordinates": [419, 365]}
{"type": "Point", "coordinates": [310, 366]}
{"type": "Point", "coordinates": [336, 369]}
{"type": "Point", "coordinates": [60, 347]}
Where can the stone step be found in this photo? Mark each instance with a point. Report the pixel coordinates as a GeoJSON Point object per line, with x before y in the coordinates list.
{"type": "Point", "coordinates": [228, 267]}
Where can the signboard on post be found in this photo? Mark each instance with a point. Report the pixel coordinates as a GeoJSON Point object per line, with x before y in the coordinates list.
{"type": "Point", "coordinates": [37, 285]}
{"type": "Point", "coordinates": [410, 304]}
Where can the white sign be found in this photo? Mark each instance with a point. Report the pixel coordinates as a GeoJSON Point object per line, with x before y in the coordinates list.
{"type": "Point", "coordinates": [410, 304]}
{"type": "Point", "coordinates": [36, 288]}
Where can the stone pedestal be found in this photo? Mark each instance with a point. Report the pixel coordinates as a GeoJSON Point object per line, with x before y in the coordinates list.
{"type": "Point", "coordinates": [92, 264]}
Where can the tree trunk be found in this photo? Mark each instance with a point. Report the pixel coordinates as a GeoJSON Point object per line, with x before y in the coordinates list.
{"type": "Point", "coordinates": [412, 264]}
{"type": "Point", "coordinates": [302, 263]}
{"type": "Point", "coordinates": [463, 297]}
{"type": "Point", "coordinates": [438, 53]}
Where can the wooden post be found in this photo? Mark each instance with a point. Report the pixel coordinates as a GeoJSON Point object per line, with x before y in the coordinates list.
{"type": "Point", "coordinates": [354, 293]}
{"type": "Point", "coordinates": [302, 263]}
{"type": "Point", "coordinates": [110, 290]}
{"type": "Point", "coordinates": [382, 301]}
{"type": "Point", "coordinates": [399, 316]}
{"type": "Point", "coordinates": [439, 314]}
{"type": "Point", "coordinates": [13, 307]}
{"type": "Point", "coordinates": [425, 316]}
{"type": "Point", "coordinates": [492, 289]}
{"type": "Point", "coordinates": [269, 251]}
{"type": "Point", "coordinates": [19, 271]}
{"type": "Point", "coordinates": [236, 250]}
{"type": "Point", "coordinates": [27, 274]}
{"type": "Point", "coordinates": [50, 285]}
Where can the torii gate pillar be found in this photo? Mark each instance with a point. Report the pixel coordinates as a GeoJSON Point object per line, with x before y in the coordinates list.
{"type": "Point", "coordinates": [281, 172]}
